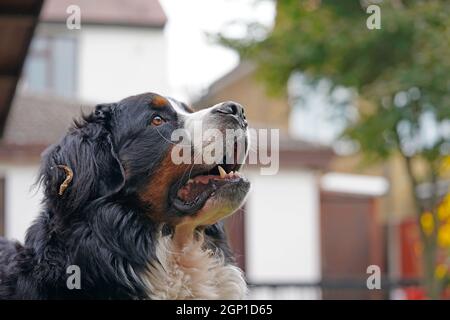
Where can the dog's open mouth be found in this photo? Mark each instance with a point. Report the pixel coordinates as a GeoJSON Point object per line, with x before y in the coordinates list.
{"type": "Point", "coordinates": [190, 196]}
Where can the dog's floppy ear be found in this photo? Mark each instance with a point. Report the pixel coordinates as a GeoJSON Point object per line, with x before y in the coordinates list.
{"type": "Point", "coordinates": [88, 151]}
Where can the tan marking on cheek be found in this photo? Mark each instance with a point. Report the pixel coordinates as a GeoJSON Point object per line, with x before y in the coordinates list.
{"type": "Point", "coordinates": [159, 101]}
{"type": "Point", "coordinates": [157, 190]}
{"type": "Point", "coordinates": [156, 194]}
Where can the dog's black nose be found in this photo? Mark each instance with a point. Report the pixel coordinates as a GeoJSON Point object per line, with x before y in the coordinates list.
{"type": "Point", "coordinates": [233, 109]}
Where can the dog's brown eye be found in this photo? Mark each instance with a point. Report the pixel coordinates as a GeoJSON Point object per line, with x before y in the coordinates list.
{"type": "Point", "coordinates": [157, 121]}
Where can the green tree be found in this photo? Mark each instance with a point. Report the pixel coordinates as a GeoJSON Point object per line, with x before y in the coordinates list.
{"type": "Point", "coordinates": [402, 70]}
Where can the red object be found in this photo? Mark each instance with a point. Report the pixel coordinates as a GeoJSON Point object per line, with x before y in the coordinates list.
{"type": "Point", "coordinates": [411, 259]}
{"type": "Point", "coordinates": [415, 293]}
{"type": "Point", "coordinates": [410, 249]}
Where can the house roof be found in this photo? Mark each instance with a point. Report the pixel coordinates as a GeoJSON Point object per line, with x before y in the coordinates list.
{"type": "Point", "coordinates": [36, 122]}
{"type": "Point", "coordinates": [40, 119]}
{"type": "Point", "coordinates": [243, 69]}
{"type": "Point", "coordinates": [292, 152]}
{"type": "Point", "coordinates": [143, 13]}
{"type": "Point", "coordinates": [18, 20]}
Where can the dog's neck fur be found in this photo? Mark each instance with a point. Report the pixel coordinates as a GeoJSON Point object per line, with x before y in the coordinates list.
{"type": "Point", "coordinates": [183, 265]}
{"type": "Point", "coordinates": [192, 271]}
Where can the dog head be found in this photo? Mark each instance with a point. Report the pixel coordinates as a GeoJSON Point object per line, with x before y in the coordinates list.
{"type": "Point", "coordinates": [156, 153]}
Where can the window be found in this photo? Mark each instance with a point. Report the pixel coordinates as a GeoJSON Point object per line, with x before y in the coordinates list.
{"type": "Point", "coordinates": [51, 66]}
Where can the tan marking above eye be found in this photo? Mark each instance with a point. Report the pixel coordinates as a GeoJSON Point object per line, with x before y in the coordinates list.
{"type": "Point", "coordinates": [159, 101]}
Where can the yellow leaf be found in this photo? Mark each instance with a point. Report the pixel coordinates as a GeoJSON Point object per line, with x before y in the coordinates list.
{"type": "Point", "coordinates": [444, 236]}
{"type": "Point", "coordinates": [443, 210]}
{"type": "Point", "coordinates": [440, 271]}
{"type": "Point", "coordinates": [427, 222]}
{"type": "Point", "coordinates": [445, 165]}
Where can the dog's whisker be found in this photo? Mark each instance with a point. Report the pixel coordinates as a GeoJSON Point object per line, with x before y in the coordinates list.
{"type": "Point", "coordinates": [170, 141]}
{"type": "Point", "coordinates": [189, 169]}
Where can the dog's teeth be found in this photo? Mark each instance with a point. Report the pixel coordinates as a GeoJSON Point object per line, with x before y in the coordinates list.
{"type": "Point", "coordinates": [190, 181]}
{"type": "Point", "coordinates": [222, 172]}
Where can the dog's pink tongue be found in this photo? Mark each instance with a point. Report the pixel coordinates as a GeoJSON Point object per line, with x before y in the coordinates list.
{"type": "Point", "coordinates": [204, 179]}
{"type": "Point", "coordinates": [193, 188]}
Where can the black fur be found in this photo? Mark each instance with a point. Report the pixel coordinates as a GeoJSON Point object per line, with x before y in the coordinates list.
{"type": "Point", "coordinates": [98, 223]}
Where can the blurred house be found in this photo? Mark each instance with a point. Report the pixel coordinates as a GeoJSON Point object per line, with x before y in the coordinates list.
{"type": "Point", "coordinates": [321, 218]}
{"type": "Point", "coordinates": [313, 222]}
{"type": "Point", "coordinates": [119, 51]}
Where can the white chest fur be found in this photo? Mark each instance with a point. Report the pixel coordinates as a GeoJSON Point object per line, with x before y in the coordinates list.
{"type": "Point", "coordinates": [192, 273]}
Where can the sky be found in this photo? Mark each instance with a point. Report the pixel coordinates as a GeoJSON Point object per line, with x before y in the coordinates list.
{"type": "Point", "coordinates": [195, 62]}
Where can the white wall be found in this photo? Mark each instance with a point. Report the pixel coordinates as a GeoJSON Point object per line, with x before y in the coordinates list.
{"type": "Point", "coordinates": [21, 200]}
{"type": "Point", "coordinates": [116, 62]}
{"type": "Point", "coordinates": [282, 227]}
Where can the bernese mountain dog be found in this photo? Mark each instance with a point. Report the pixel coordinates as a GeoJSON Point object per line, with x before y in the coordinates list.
{"type": "Point", "coordinates": [134, 223]}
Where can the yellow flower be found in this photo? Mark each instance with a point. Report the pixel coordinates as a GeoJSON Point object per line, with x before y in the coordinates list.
{"type": "Point", "coordinates": [447, 198]}
{"type": "Point", "coordinates": [443, 212]}
{"type": "Point", "coordinates": [444, 209]}
{"type": "Point", "coordinates": [445, 165]}
{"type": "Point", "coordinates": [427, 222]}
{"type": "Point", "coordinates": [444, 236]}
{"type": "Point", "coordinates": [440, 271]}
